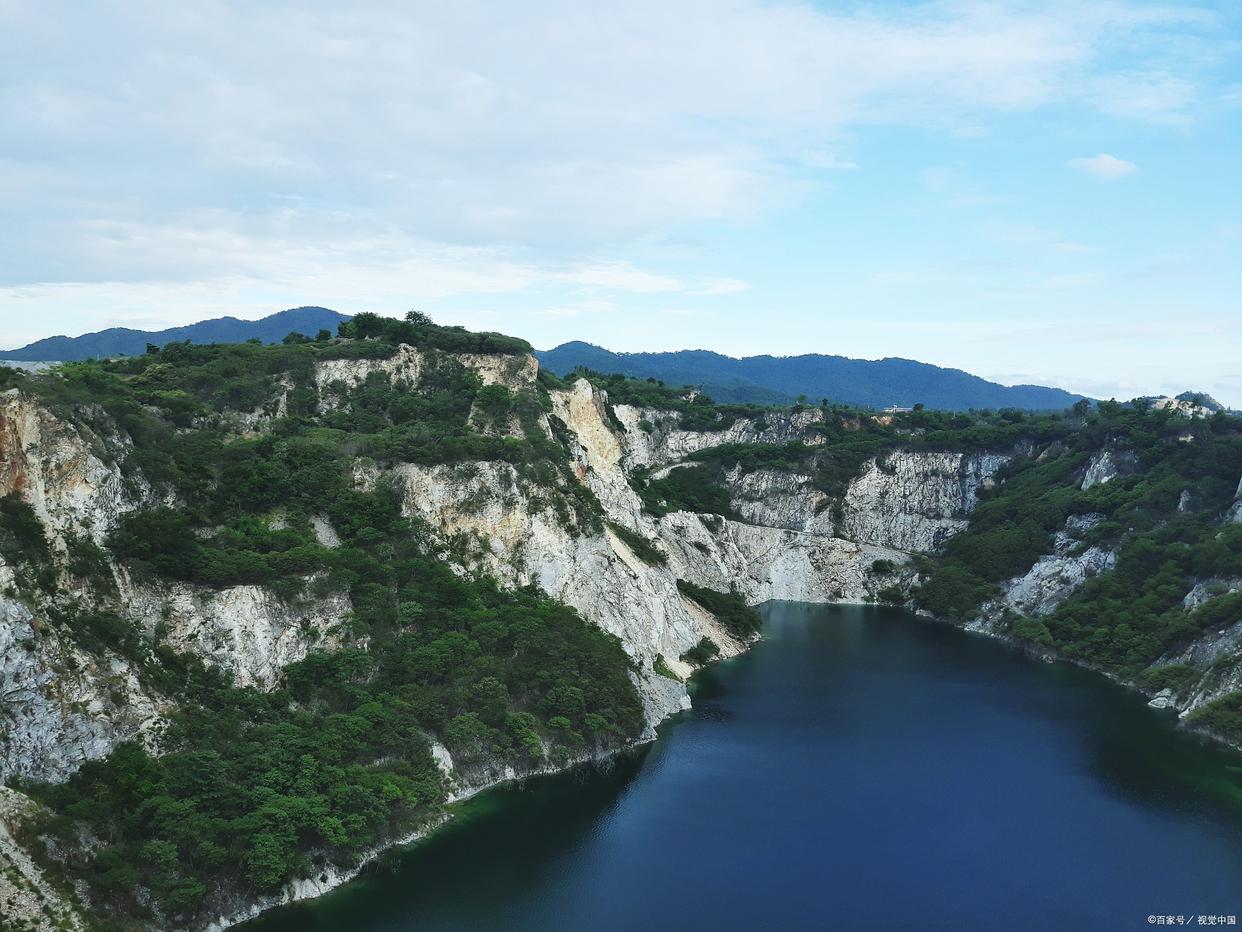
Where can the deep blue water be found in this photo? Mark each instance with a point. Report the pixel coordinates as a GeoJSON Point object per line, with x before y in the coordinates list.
{"type": "Point", "coordinates": [859, 769]}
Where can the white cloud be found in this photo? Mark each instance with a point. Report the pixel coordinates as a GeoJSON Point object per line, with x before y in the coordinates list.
{"type": "Point", "coordinates": [720, 286]}
{"type": "Point", "coordinates": [556, 126]}
{"type": "Point", "coordinates": [1107, 167]}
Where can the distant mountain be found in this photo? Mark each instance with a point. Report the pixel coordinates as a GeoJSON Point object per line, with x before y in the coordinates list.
{"type": "Point", "coordinates": [773, 379]}
{"type": "Point", "coordinates": [121, 341]}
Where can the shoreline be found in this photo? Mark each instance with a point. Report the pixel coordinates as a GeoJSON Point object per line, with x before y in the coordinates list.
{"type": "Point", "coordinates": [1051, 656]}
{"type": "Point", "coordinates": [331, 877]}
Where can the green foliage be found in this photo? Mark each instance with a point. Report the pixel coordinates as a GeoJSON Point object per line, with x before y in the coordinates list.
{"type": "Point", "coordinates": [660, 665]}
{"type": "Point", "coordinates": [892, 595]}
{"type": "Point", "coordinates": [694, 488]}
{"type": "Point", "coordinates": [702, 653]}
{"type": "Point", "coordinates": [730, 609]}
{"type": "Point", "coordinates": [21, 533]}
{"type": "Point", "coordinates": [1222, 717]}
{"type": "Point", "coordinates": [785, 457]}
{"type": "Point", "coordinates": [1175, 676]}
{"type": "Point", "coordinates": [643, 548]}
{"type": "Point", "coordinates": [23, 544]}
{"type": "Point", "coordinates": [418, 330]}
{"type": "Point", "coordinates": [1218, 612]}
{"type": "Point", "coordinates": [1126, 619]}
{"type": "Point", "coordinates": [1033, 631]}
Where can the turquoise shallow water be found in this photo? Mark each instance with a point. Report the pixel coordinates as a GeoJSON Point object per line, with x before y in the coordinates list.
{"type": "Point", "coordinates": [859, 769]}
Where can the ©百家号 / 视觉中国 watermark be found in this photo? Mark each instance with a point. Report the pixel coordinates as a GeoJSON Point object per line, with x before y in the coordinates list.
{"type": "Point", "coordinates": [1193, 919]}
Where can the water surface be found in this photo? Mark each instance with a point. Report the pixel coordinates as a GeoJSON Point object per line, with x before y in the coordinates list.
{"type": "Point", "coordinates": [859, 769]}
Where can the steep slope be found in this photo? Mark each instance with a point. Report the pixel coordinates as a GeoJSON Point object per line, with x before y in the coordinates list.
{"type": "Point", "coordinates": [121, 341]}
{"type": "Point", "coordinates": [779, 380]}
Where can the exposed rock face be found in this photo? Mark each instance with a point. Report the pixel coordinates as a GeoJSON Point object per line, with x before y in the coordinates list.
{"type": "Point", "coordinates": [27, 899]}
{"type": "Point", "coordinates": [59, 470]}
{"type": "Point", "coordinates": [915, 501]}
{"type": "Point", "coordinates": [1107, 465]}
{"type": "Point", "coordinates": [1218, 653]}
{"type": "Point", "coordinates": [766, 563]}
{"type": "Point", "coordinates": [244, 629]}
{"type": "Point", "coordinates": [1055, 576]}
{"type": "Point", "coordinates": [406, 365]}
{"type": "Point", "coordinates": [61, 706]}
{"type": "Point", "coordinates": [777, 499]}
{"type": "Point", "coordinates": [1207, 589]}
{"type": "Point", "coordinates": [666, 442]}
{"type": "Point", "coordinates": [485, 506]}
{"type": "Point", "coordinates": [1234, 514]}
{"type": "Point", "coordinates": [1051, 580]}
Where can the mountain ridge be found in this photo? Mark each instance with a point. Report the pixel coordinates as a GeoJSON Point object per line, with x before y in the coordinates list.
{"type": "Point", "coordinates": [890, 381]}
{"type": "Point", "coordinates": [763, 379]}
{"type": "Point", "coordinates": [125, 341]}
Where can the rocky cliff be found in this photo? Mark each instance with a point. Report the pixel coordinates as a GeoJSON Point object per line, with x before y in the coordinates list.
{"type": "Point", "coordinates": [61, 706]}
{"type": "Point", "coordinates": [65, 700]}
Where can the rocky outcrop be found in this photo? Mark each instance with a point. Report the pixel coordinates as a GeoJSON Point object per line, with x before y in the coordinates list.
{"type": "Point", "coordinates": [1057, 575]}
{"type": "Point", "coordinates": [244, 630]}
{"type": "Point", "coordinates": [408, 365]}
{"type": "Point", "coordinates": [60, 705]}
{"type": "Point", "coordinates": [915, 500]}
{"type": "Point", "coordinates": [765, 563]}
{"type": "Point", "coordinates": [405, 365]}
{"type": "Point", "coordinates": [1107, 465]}
{"type": "Point", "coordinates": [27, 899]}
{"type": "Point", "coordinates": [656, 438]}
{"type": "Point", "coordinates": [498, 525]}
{"type": "Point", "coordinates": [1217, 653]}
{"type": "Point", "coordinates": [1054, 578]}
{"type": "Point", "coordinates": [1234, 514]}
{"type": "Point", "coordinates": [68, 475]}
{"type": "Point", "coordinates": [776, 499]}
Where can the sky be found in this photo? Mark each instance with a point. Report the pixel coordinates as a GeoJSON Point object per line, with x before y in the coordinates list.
{"type": "Point", "coordinates": [1043, 192]}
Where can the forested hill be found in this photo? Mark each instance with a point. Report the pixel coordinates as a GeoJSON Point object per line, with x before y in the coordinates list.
{"type": "Point", "coordinates": [121, 341]}
{"type": "Point", "coordinates": [781, 379]}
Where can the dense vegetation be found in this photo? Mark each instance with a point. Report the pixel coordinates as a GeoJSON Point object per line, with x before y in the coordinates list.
{"type": "Point", "coordinates": [643, 548]}
{"type": "Point", "coordinates": [696, 488]}
{"type": "Point", "coordinates": [1163, 520]}
{"type": "Point", "coordinates": [730, 609]}
{"type": "Point", "coordinates": [250, 786]}
{"type": "Point", "coordinates": [419, 330]}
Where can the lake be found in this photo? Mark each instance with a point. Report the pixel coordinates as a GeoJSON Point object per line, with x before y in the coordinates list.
{"type": "Point", "coordinates": [861, 768]}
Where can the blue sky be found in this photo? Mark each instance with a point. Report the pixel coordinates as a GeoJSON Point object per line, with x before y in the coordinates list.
{"type": "Point", "coordinates": [1040, 192]}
